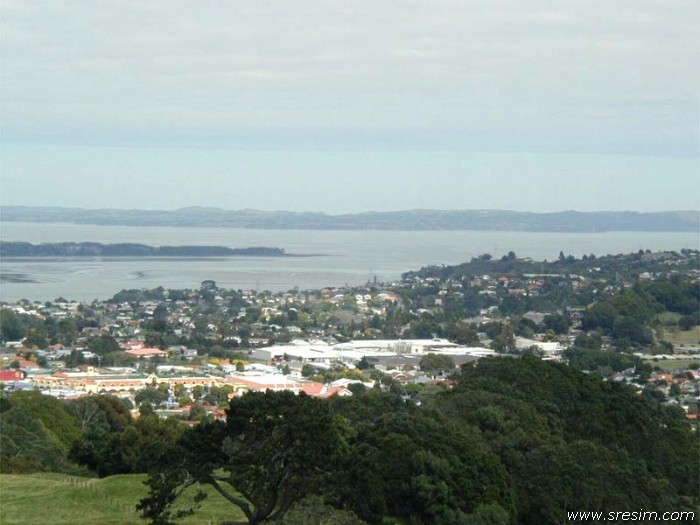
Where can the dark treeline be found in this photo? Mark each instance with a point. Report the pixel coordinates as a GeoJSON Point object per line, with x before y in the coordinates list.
{"type": "Point", "coordinates": [95, 249]}
{"type": "Point", "coordinates": [624, 265]}
{"type": "Point", "coordinates": [516, 440]}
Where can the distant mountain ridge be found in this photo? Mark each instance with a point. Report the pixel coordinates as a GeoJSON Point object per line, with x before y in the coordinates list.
{"type": "Point", "coordinates": [566, 221]}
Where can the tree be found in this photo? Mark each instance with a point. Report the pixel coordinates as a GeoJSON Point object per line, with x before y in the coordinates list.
{"type": "Point", "coordinates": [36, 341]}
{"type": "Point", "coordinates": [146, 443]}
{"type": "Point", "coordinates": [526, 328]}
{"type": "Point", "coordinates": [505, 341]}
{"type": "Point", "coordinates": [154, 396]}
{"type": "Point", "coordinates": [558, 323]}
{"type": "Point", "coordinates": [674, 390]}
{"type": "Point", "coordinates": [197, 413]}
{"type": "Point", "coordinates": [103, 345]}
{"type": "Point", "coordinates": [435, 363]}
{"type": "Point", "coordinates": [364, 364]}
{"type": "Point", "coordinates": [11, 327]}
{"type": "Point", "coordinates": [418, 465]}
{"type": "Point", "coordinates": [273, 450]}
{"type": "Point", "coordinates": [463, 334]}
{"type": "Point", "coordinates": [688, 322]}
{"type": "Point", "coordinates": [589, 341]}
{"type": "Point", "coordinates": [75, 359]}
{"type": "Point", "coordinates": [218, 395]}
{"type": "Point", "coordinates": [632, 329]}
{"type": "Point", "coordinates": [197, 392]}
{"type": "Point", "coordinates": [607, 434]}
{"type": "Point", "coordinates": [37, 433]}
{"type": "Point", "coordinates": [308, 370]}
{"type": "Point", "coordinates": [88, 415]}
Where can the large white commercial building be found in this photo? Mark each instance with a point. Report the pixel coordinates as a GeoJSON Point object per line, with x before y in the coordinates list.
{"type": "Point", "coordinates": [320, 353]}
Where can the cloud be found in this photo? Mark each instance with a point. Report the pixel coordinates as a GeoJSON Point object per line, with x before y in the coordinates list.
{"type": "Point", "coordinates": [583, 71]}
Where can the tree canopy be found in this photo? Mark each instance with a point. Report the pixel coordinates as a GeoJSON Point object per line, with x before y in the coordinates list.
{"type": "Point", "coordinates": [517, 440]}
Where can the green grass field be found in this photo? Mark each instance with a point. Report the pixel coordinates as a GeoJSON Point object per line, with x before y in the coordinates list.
{"type": "Point", "coordinates": [672, 364]}
{"type": "Point", "coordinates": [682, 337]}
{"type": "Point", "coordinates": [669, 317]}
{"type": "Point", "coordinates": [38, 499]}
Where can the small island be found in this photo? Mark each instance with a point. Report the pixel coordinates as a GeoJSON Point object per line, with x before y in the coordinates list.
{"type": "Point", "coordinates": [95, 249]}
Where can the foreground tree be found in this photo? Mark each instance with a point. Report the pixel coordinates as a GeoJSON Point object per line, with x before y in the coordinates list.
{"type": "Point", "coordinates": [273, 450]}
{"type": "Point", "coordinates": [515, 441]}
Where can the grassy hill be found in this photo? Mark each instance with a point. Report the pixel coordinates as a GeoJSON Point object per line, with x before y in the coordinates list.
{"type": "Point", "coordinates": [60, 499]}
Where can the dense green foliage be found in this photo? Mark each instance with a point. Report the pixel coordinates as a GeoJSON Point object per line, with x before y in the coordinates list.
{"type": "Point", "coordinates": [570, 440]}
{"type": "Point", "coordinates": [37, 434]}
{"type": "Point", "coordinates": [437, 363]}
{"type": "Point", "coordinates": [43, 434]}
{"type": "Point", "coordinates": [516, 441]}
{"type": "Point", "coordinates": [627, 316]}
{"type": "Point", "coordinates": [605, 362]}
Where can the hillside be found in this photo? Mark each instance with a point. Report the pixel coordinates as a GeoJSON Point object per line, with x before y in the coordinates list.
{"type": "Point", "coordinates": [89, 501]}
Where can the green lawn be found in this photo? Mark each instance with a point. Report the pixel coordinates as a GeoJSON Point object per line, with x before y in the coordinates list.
{"type": "Point", "coordinates": [60, 499]}
{"type": "Point", "coordinates": [682, 337]}
{"type": "Point", "coordinates": [669, 317]}
{"type": "Point", "coordinates": [672, 364]}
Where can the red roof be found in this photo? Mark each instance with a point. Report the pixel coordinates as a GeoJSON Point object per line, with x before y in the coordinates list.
{"type": "Point", "coordinates": [11, 375]}
{"type": "Point", "coordinates": [320, 390]}
{"type": "Point", "coordinates": [145, 352]}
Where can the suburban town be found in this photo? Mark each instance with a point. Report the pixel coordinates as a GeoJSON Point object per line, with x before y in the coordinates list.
{"type": "Point", "coordinates": [452, 395]}
{"type": "Point", "coordinates": [185, 353]}
{"type": "Point", "coordinates": [349, 263]}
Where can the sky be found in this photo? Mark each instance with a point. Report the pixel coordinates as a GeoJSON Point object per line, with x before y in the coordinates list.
{"type": "Point", "coordinates": [351, 106]}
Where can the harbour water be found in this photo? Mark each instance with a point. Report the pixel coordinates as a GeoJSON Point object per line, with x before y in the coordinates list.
{"type": "Point", "coordinates": [342, 257]}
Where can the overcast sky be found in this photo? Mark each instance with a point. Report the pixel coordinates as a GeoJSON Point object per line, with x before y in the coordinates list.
{"type": "Point", "coordinates": [334, 106]}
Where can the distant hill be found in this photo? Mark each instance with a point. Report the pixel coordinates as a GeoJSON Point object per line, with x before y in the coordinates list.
{"type": "Point", "coordinates": [566, 221]}
{"type": "Point", "coordinates": [96, 249]}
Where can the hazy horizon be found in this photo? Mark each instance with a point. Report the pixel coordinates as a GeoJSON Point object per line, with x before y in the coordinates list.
{"type": "Point", "coordinates": [351, 107]}
{"type": "Point", "coordinates": [218, 208]}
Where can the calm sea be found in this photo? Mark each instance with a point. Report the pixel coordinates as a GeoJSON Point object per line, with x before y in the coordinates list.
{"type": "Point", "coordinates": [346, 257]}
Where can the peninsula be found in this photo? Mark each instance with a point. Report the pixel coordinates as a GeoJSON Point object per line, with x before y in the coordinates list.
{"type": "Point", "coordinates": [95, 249]}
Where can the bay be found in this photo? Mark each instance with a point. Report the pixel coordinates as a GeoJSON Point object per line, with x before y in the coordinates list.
{"type": "Point", "coordinates": [347, 257]}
